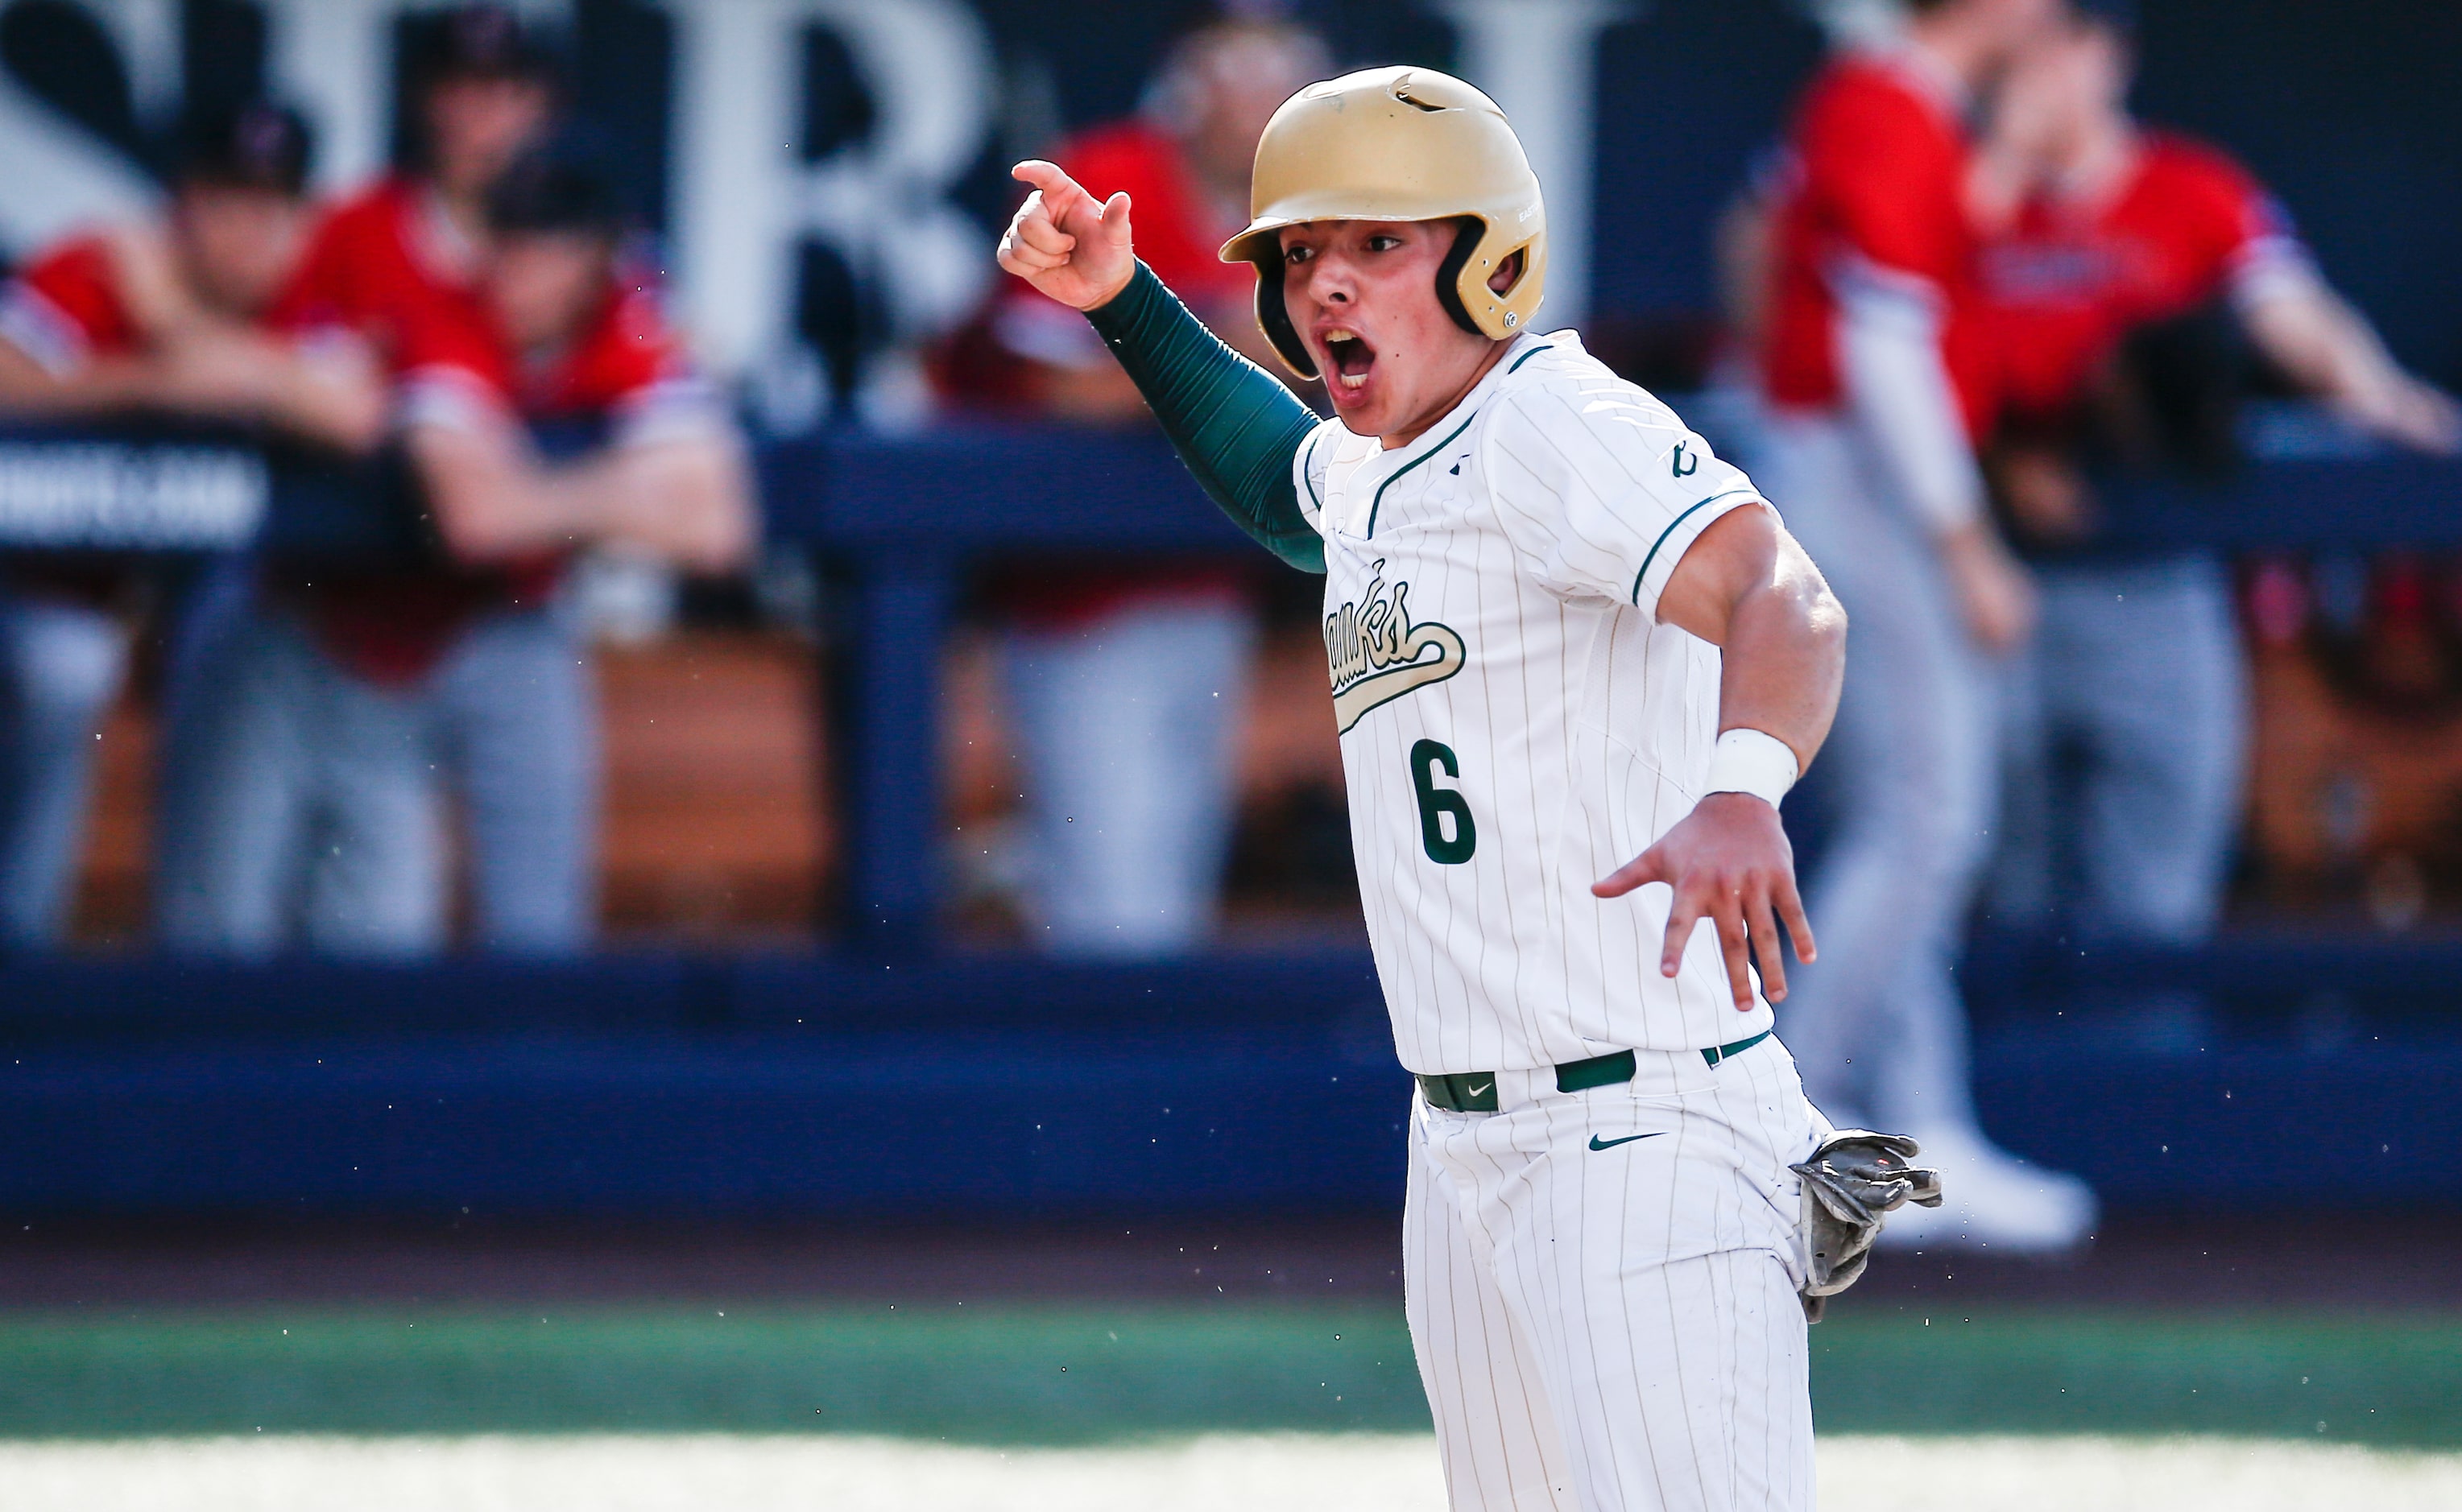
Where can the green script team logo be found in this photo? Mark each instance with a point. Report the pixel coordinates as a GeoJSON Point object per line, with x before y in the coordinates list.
{"type": "Point", "coordinates": [1377, 654]}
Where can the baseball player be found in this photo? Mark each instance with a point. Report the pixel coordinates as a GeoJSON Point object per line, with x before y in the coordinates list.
{"type": "Point", "coordinates": [345, 695]}
{"type": "Point", "coordinates": [1877, 369]}
{"type": "Point", "coordinates": [166, 317]}
{"type": "Point", "coordinates": [2128, 719]}
{"type": "Point", "coordinates": [1575, 662]}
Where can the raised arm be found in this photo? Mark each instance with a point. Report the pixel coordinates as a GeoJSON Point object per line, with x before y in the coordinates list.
{"type": "Point", "coordinates": [1746, 588]}
{"type": "Point", "coordinates": [2329, 348]}
{"type": "Point", "coordinates": [1235, 425]}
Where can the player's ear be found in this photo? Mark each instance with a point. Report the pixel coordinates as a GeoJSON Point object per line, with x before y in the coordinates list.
{"type": "Point", "coordinates": [1509, 271]}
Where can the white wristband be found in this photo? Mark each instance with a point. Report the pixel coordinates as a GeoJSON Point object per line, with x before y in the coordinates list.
{"type": "Point", "coordinates": [1750, 761]}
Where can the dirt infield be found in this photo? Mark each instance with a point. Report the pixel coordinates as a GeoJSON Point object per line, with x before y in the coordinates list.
{"type": "Point", "coordinates": [2332, 1262]}
{"type": "Point", "coordinates": [2341, 1331]}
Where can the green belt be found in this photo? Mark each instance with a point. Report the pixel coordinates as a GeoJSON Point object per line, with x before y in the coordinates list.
{"type": "Point", "coordinates": [1718, 1053]}
{"type": "Point", "coordinates": [1475, 1090]}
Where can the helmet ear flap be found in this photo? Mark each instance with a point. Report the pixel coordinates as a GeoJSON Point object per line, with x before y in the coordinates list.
{"type": "Point", "coordinates": [1274, 318]}
{"type": "Point", "coordinates": [1449, 276]}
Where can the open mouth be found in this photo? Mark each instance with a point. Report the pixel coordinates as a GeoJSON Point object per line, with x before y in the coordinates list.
{"type": "Point", "coordinates": [1347, 358]}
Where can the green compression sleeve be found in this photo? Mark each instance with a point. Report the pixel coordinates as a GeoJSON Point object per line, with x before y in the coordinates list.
{"type": "Point", "coordinates": [1231, 421]}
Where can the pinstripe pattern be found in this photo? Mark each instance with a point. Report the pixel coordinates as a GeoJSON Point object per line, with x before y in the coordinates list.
{"type": "Point", "coordinates": [1617, 1330]}
{"type": "Point", "coordinates": [1539, 522]}
{"type": "Point", "coordinates": [1596, 1329]}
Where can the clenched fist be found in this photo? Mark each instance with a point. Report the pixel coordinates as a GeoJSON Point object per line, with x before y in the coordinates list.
{"type": "Point", "coordinates": [1069, 244]}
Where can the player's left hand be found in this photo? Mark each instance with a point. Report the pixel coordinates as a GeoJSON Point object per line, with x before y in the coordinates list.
{"type": "Point", "coordinates": [1728, 861]}
{"type": "Point", "coordinates": [1069, 244]}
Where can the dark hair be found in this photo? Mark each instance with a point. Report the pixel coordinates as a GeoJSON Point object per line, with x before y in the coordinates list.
{"type": "Point", "coordinates": [2121, 15]}
{"type": "Point", "coordinates": [481, 42]}
{"type": "Point", "coordinates": [251, 145]}
{"type": "Point", "coordinates": [555, 196]}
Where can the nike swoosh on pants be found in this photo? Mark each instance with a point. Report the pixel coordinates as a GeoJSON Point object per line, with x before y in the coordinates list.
{"type": "Point", "coordinates": [1597, 1143]}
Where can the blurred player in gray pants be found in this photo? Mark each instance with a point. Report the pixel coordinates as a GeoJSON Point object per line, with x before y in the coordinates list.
{"type": "Point", "coordinates": [321, 731]}
{"type": "Point", "coordinates": [2125, 292]}
{"type": "Point", "coordinates": [1128, 679]}
{"type": "Point", "coordinates": [1876, 372]}
{"type": "Point", "coordinates": [144, 318]}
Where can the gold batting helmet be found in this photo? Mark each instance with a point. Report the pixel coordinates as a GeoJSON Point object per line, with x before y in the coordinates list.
{"type": "Point", "coordinates": [1398, 144]}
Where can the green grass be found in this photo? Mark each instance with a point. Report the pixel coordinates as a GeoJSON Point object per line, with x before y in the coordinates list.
{"type": "Point", "coordinates": [2379, 1381]}
{"type": "Point", "coordinates": [1090, 1374]}
{"type": "Point", "coordinates": [1020, 1375]}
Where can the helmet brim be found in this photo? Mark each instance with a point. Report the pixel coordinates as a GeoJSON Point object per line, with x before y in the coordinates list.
{"type": "Point", "coordinates": [1262, 238]}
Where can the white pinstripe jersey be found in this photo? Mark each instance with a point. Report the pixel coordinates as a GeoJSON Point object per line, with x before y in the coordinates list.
{"type": "Point", "coordinates": [1516, 723]}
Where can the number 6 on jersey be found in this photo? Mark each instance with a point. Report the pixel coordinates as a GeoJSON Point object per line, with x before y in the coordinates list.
{"type": "Point", "coordinates": [1438, 805]}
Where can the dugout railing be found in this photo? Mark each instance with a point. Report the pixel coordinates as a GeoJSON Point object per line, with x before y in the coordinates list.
{"type": "Point", "coordinates": [883, 1072]}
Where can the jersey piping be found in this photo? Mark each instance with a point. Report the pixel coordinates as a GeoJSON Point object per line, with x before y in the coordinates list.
{"type": "Point", "coordinates": [1673, 525]}
{"type": "Point", "coordinates": [1378, 502]}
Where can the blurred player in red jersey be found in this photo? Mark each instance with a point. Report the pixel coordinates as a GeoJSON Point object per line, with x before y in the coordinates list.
{"type": "Point", "coordinates": [1876, 372]}
{"type": "Point", "coordinates": [1127, 678]}
{"type": "Point", "coordinates": [134, 319]}
{"type": "Point", "coordinates": [352, 700]}
{"type": "Point", "coordinates": [2127, 719]}
{"type": "Point", "coordinates": [408, 252]}
{"type": "Point", "coordinates": [175, 318]}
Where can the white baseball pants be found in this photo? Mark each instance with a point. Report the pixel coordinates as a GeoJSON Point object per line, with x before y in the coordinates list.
{"type": "Point", "coordinates": [1602, 1290]}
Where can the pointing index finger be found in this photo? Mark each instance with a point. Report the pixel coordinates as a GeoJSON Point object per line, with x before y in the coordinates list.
{"type": "Point", "coordinates": [1635, 873]}
{"type": "Point", "coordinates": [1060, 192]}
